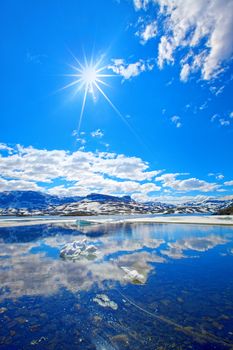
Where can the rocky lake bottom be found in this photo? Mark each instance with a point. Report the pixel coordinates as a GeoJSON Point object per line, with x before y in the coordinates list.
{"type": "Point", "coordinates": [116, 286]}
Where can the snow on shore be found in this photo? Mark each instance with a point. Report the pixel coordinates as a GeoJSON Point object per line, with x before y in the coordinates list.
{"type": "Point", "coordinates": [201, 220]}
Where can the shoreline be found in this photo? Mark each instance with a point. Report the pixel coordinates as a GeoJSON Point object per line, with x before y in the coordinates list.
{"type": "Point", "coordinates": [223, 220]}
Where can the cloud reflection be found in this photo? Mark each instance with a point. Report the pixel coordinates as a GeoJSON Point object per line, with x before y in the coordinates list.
{"type": "Point", "coordinates": [200, 244]}
{"type": "Point", "coordinates": [34, 267]}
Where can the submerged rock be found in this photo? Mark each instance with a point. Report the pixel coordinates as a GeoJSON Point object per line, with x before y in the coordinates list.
{"type": "Point", "coordinates": [120, 340]}
{"type": "Point", "coordinates": [102, 343]}
{"type": "Point", "coordinates": [2, 310]}
{"type": "Point", "coordinates": [133, 275]}
{"type": "Point", "coordinates": [77, 249]}
{"type": "Point", "coordinates": [104, 301]}
{"type": "Point", "coordinates": [38, 341]}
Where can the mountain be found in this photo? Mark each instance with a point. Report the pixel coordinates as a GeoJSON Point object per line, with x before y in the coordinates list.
{"type": "Point", "coordinates": [210, 203]}
{"type": "Point", "coordinates": [102, 198]}
{"type": "Point", "coordinates": [32, 200]}
{"type": "Point", "coordinates": [111, 205]}
{"type": "Point", "coordinates": [25, 203]}
{"type": "Point", "coordinates": [36, 203]}
{"type": "Point", "coordinates": [206, 206]}
{"type": "Point", "coordinates": [226, 211]}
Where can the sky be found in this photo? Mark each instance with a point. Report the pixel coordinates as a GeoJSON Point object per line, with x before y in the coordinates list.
{"type": "Point", "coordinates": [126, 97]}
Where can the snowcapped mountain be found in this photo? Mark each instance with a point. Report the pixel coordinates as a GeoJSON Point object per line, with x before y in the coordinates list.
{"type": "Point", "coordinates": [102, 198]}
{"type": "Point", "coordinates": [114, 205]}
{"type": "Point", "coordinates": [209, 205]}
{"type": "Point", "coordinates": [31, 200]}
{"type": "Point", "coordinates": [206, 206]}
{"type": "Point", "coordinates": [36, 203]}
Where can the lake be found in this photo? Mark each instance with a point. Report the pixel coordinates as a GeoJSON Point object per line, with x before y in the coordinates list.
{"type": "Point", "coordinates": [147, 286]}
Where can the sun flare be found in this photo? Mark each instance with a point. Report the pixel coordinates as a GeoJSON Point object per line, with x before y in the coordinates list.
{"type": "Point", "coordinates": [89, 78]}
{"type": "Point", "coordinates": [89, 75]}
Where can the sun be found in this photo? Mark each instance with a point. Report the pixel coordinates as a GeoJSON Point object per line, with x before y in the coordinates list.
{"type": "Point", "coordinates": [89, 77]}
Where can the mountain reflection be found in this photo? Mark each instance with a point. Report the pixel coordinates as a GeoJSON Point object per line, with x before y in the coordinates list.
{"type": "Point", "coordinates": [30, 262]}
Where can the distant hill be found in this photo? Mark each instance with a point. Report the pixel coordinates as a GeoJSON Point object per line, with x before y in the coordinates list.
{"type": "Point", "coordinates": [226, 211]}
{"type": "Point", "coordinates": [106, 198]}
{"type": "Point", "coordinates": [32, 200]}
{"type": "Point", "coordinates": [25, 203]}
{"type": "Point", "coordinates": [37, 203]}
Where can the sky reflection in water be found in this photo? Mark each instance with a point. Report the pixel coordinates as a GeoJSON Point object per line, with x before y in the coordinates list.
{"type": "Point", "coordinates": [186, 300]}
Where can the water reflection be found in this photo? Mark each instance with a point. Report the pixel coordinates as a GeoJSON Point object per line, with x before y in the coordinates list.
{"type": "Point", "coordinates": [180, 268]}
{"type": "Point", "coordinates": [30, 263]}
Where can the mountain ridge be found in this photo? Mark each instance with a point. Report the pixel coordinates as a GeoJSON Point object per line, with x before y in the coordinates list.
{"type": "Point", "coordinates": [25, 203]}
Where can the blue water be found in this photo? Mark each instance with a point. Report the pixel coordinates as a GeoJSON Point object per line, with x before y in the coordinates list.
{"type": "Point", "coordinates": [184, 299]}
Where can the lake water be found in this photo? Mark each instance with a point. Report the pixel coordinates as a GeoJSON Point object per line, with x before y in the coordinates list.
{"type": "Point", "coordinates": [149, 286]}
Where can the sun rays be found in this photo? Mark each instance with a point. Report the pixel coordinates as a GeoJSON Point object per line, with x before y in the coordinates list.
{"type": "Point", "coordinates": [89, 77]}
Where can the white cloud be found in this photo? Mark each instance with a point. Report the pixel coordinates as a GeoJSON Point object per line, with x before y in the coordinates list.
{"type": "Point", "coordinates": [218, 176]}
{"type": "Point", "coordinates": [140, 4]}
{"type": "Point", "coordinates": [226, 198]}
{"type": "Point", "coordinates": [179, 199]}
{"type": "Point", "coordinates": [97, 133]}
{"type": "Point", "coordinates": [148, 32]}
{"type": "Point", "coordinates": [213, 118]}
{"type": "Point", "coordinates": [224, 122]}
{"type": "Point", "coordinates": [18, 185]}
{"type": "Point", "coordinates": [185, 71]}
{"type": "Point", "coordinates": [176, 120]}
{"type": "Point", "coordinates": [4, 147]}
{"type": "Point", "coordinates": [217, 90]}
{"type": "Point", "coordinates": [82, 141]}
{"type": "Point", "coordinates": [141, 197]}
{"type": "Point", "coordinates": [204, 105]}
{"type": "Point", "coordinates": [165, 52]}
{"type": "Point", "coordinates": [130, 70]}
{"type": "Point", "coordinates": [194, 184]}
{"type": "Point", "coordinates": [191, 184]}
{"type": "Point", "coordinates": [201, 28]}
{"type": "Point", "coordinates": [100, 184]}
{"type": "Point", "coordinates": [83, 172]}
{"type": "Point", "coordinates": [228, 183]}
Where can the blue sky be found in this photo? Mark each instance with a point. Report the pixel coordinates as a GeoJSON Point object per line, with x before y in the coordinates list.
{"type": "Point", "coordinates": [172, 86]}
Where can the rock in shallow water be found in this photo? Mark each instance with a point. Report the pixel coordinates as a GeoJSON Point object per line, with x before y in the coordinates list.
{"type": "Point", "coordinates": [133, 276]}
{"type": "Point", "coordinates": [38, 341]}
{"type": "Point", "coordinates": [104, 301]}
{"type": "Point", "coordinates": [2, 310]}
{"type": "Point", "coordinates": [78, 249]}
